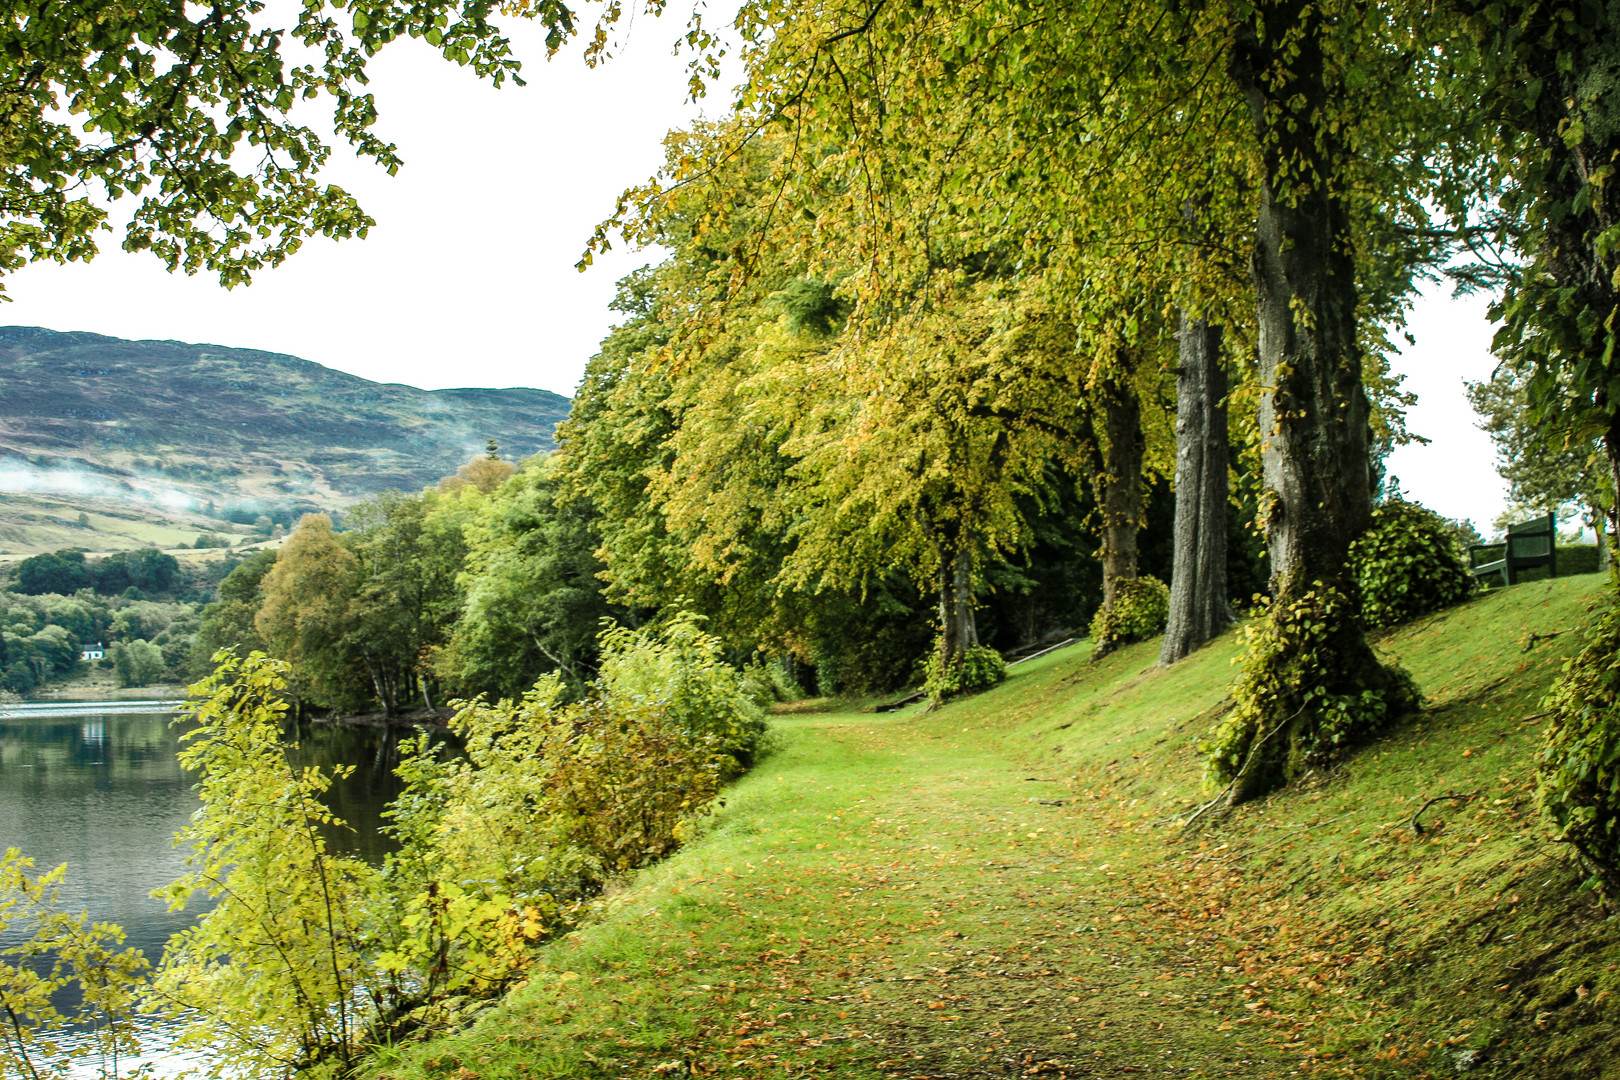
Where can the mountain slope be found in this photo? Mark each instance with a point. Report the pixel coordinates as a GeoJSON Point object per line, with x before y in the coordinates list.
{"type": "Point", "coordinates": [199, 432]}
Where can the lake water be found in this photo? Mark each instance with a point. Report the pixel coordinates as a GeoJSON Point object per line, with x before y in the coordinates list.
{"type": "Point", "coordinates": [97, 786]}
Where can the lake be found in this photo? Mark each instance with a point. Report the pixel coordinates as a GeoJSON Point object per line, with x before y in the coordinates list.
{"type": "Point", "coordinates": [97, 786]}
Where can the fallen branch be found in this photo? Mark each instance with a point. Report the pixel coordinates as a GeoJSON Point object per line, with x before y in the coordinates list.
{"type": "Point", "coordinates": [1243, 769]}
{"type": "Point", "coordinates": [900, 703]}
{"type": "Point", "coordinates": [1530, 642]}
{"type": "Point", "coordinates": [1043, 652]}
{"type": "Point", "coordinates": [1417, 826]}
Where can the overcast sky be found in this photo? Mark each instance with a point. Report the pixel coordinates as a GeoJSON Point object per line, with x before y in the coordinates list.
{"type": "Point", "coordinates": [468, 278]}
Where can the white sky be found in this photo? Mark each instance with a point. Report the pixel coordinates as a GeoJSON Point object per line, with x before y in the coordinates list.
{"type": "Point", "coordinates": [468, 278]}
{"type": "Point", "coordinates": [1455, 474]}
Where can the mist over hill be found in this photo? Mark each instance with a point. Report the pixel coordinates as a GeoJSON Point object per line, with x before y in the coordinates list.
{"type": "Point", "coordinates": [187, 436]}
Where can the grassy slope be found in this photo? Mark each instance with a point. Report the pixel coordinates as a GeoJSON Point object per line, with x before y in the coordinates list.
{"type": "Point", "coordinates": [997, 888]}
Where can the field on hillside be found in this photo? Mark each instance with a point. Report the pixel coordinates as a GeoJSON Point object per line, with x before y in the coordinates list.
{"type": "Point", "coordinates": [1007, 887]}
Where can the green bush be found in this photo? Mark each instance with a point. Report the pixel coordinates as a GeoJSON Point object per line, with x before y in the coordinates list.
{"type": "Point", "coordinates": [681, 669]}
{"type": "Point", "coordinates": [320, 954]}
{"type": "Point", "coordinates": [1140, 609]}
{"type": "Point", "coordinates": [1577, 559]}
{"type": "Point", "coordinates": [1407, 564]}
{"type": "Point", "coordinates": [977, 669]}
{"type": "Point", "coordinates": [768, 681]}
{"type": "Point", "coordinates": [1578, 772]}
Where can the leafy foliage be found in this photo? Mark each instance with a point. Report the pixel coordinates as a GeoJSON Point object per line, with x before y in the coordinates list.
{"type": "Point", "coordinates": [57, 572]}
{"type": "Point", "coordinates": [530, 598]}
{"type": "Point", "coordinates": [1407, 564]}
{"type": "Point", "coordinates": [50, 951]}
{"type": "Point", "coordinates": [137, 663]}
{"type": "Point", "coordinates": [267, 978]}
{"type": "Point", "coordinates": [1141, 606]}
{"type": "Point", "coordinates": [680, 669]}
{"type": "Point", "coordinates": [308, 615]}
{"type": "Point", "coordinates": [1547, 471]}
{"type": "Point", "coordinates": [1578, 771]}
{"type": "Point", "coordinates": [308, 956]}
{"type": "Point", "coordinates": [191, 114]}
{"type": "Point", "coordinates": [978, 668]}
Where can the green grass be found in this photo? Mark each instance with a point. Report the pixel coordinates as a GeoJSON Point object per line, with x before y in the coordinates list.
{"type": "Point", "coordinates": [1003, 887]}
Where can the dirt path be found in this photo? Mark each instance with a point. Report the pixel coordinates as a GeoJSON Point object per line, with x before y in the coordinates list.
{"type": "Point", "coordinates": [886, 896]}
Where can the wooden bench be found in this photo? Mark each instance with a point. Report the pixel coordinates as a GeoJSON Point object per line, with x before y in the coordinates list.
{"type": "Point", "coordinates": [1529, 543]}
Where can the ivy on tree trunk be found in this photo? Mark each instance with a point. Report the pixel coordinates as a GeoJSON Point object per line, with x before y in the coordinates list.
{"type": "Point", "coordinates": [959, 630]}
{"type": "Point", "coordinates": [1312, 684]}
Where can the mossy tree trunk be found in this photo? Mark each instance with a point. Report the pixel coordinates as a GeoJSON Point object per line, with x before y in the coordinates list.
{"type": "Point", "coordinates": [1316, 669]}
{"type": "Point", "coordinates": [1198, 601]}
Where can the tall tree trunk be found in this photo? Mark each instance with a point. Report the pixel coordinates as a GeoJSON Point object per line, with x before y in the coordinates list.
{"type": "Point", "coordinates": [1120, 494]}
{"type": "Point", "coordinates": [1198, 601]}
{"type": "Point", "coordinates": [959, 630]}
{"type": "Point", "coordinates": [377, 683]}
{"type": "Point", "coordinates": [1313, 416]}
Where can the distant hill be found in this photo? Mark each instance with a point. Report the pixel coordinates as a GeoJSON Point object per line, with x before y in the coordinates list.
{"type": "Point", "coordinates": [191, 437]}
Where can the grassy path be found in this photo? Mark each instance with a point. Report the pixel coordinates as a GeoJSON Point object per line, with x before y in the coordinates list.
{"type": "Point", "coordinates": [887, 895]}
{"type": "Point", "coordinates": [993, 890]}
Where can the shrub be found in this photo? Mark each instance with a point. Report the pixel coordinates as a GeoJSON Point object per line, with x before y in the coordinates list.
{"type": "Point", "coordinates": [499, 847]}
{"type": "Point", "coordinates": [62, 960]}
{"type": "Point", "coordinates": [1140, 608]}
{"type": "Point", "coordinates": [768, 681]}
{"type": "Point", "coordinates": [681, 669]}
{"type": "Point", "coordinates": [1578, 771]}
{"type": "Point", "coordinates": [271, 977]}
{"type": "Point", "coordinates": [977, 669]}
{"type": "Point", "coordinates": [1407, 564]}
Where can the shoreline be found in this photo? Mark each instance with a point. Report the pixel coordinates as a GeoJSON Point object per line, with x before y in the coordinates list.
{"type": "Point", "coordinates": [422, 719]}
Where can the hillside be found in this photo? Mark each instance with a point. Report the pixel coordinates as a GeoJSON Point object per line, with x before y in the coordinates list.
{"type": "Point", "coordinates": [1006, 888]}
{"type": "Point", "coordinates": [156, 441]}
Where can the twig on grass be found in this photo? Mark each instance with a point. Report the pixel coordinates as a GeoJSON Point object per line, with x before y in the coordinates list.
{"type": "Point", "coordinates": [1417, 826]}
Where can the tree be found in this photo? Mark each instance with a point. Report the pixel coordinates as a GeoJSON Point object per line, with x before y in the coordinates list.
{"type": "Point", "coordinates": [151, 570]}
{"type": "Point", "coordinates": [1544, 471]}
{"type": "Point", "coordinates": [409, 550]}
{"type": "Point", "coordinates": [189, 111]}
{"type": "Point", "coordinates": [137, 663]}
{"type": "Point", "coordinates": [1552, 66]}
{"type": "Point", "coordinates": [485, 473]}
{"type": "Point", "coordinates": [59, 572]}
{"type": "Point", "coordinates": [534, 599]}
{"type": "Point", "coordinates": [307, 614]}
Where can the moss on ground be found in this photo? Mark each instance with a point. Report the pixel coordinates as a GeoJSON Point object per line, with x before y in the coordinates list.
{"type": "Point", "coordinates": [1003, 887]}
